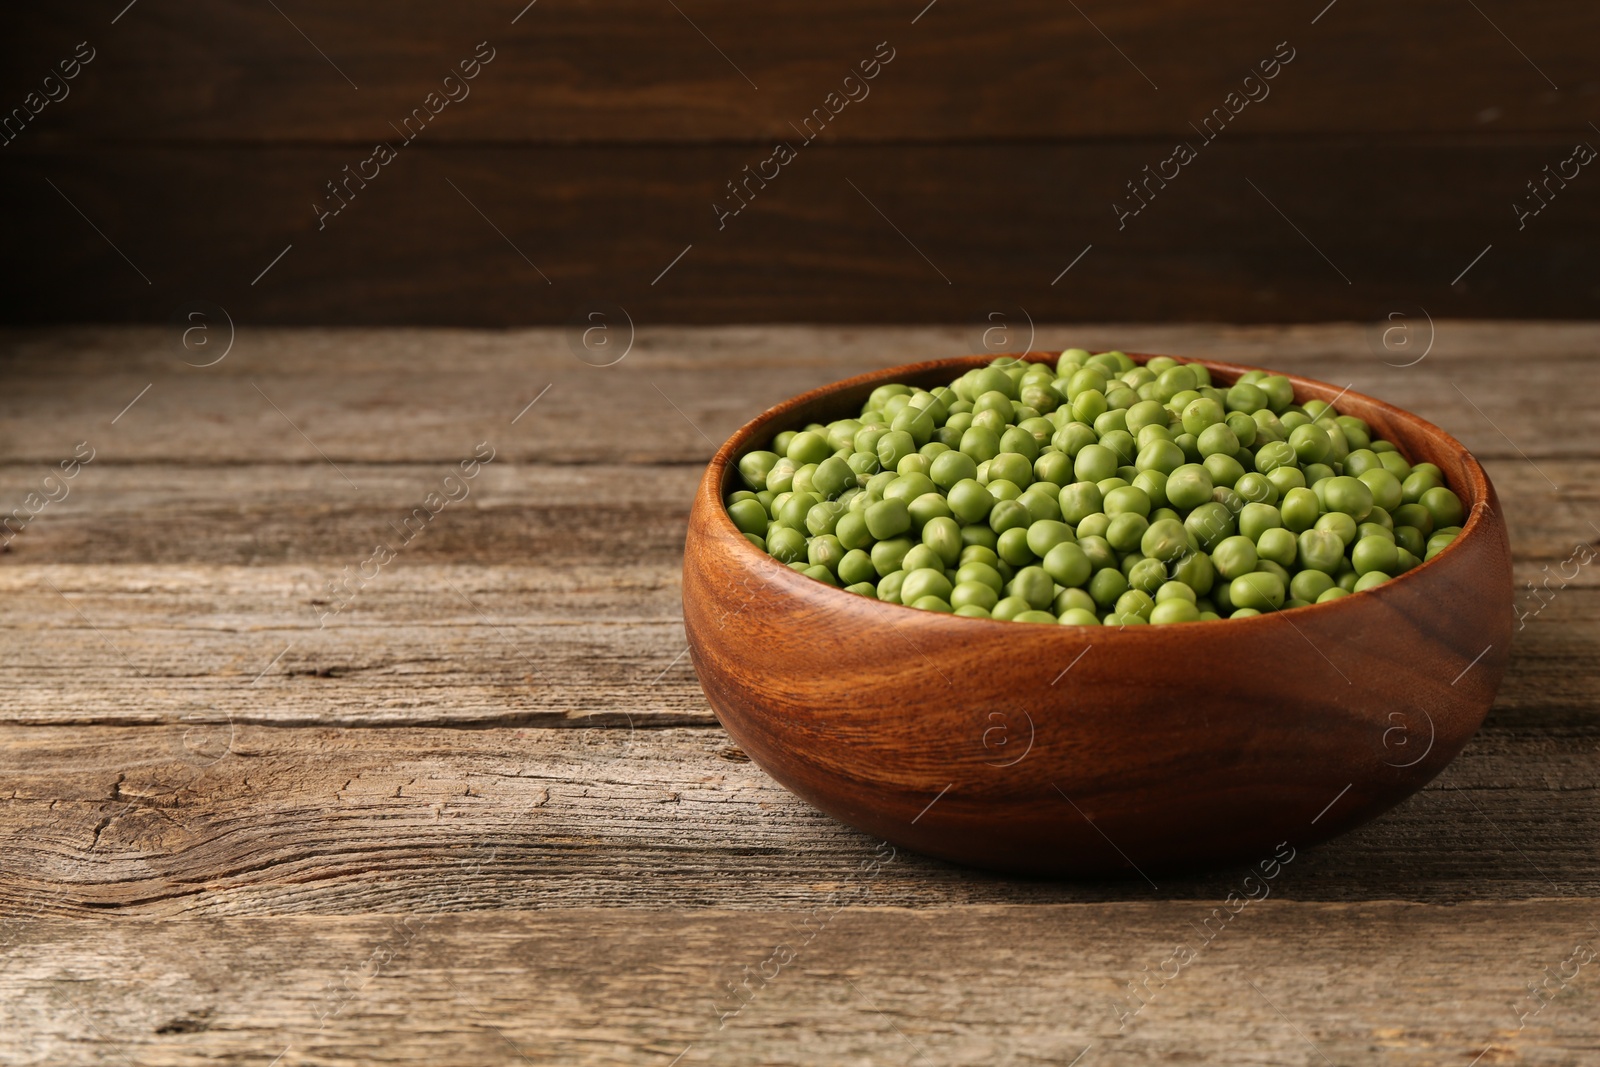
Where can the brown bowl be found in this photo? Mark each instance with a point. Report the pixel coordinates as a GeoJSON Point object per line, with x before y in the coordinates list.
{"type": "Point", "coordinates": [1066, 750]}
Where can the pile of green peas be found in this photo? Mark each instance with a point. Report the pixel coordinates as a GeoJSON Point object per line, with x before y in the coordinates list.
{"type": "Point", "coordinates": [1096, 492]}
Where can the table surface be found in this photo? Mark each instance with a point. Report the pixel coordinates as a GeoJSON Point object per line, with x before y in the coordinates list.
{"type": "Point", "coordinates": [472, 806]}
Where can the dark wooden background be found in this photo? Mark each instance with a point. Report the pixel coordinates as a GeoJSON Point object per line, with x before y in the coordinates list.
{"type": "Point", "coordinates": [1386, 158]}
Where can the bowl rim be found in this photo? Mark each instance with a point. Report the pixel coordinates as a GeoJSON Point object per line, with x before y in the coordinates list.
{"type": "Point", "coordinates": [713, 484]}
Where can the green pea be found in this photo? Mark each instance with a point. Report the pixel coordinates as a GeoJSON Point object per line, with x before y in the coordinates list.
{"type": "Point", "coordinates": [1320, 550]}
{"type": "Point", "coordinates": [792, 512]}
{"type": "Point", "coordinates": [1256, 519]}
{"type": "Point", "coordinates": [977, 572]}
{"type": "Point", "coordinates": [1012, 546]}
{"type": "Point", "coordinates": [1310, 585]}
{"type": "Point", "coordinates": [1035, 586]}
{"type": "Point", "coordinates": [820, 573]}
{"type": "Point", "coordinates": [786, 544]}
{"type": "Point", "coordinates": [1278, 390]}
{"type": "Point", "coordinates": [749, 516]}
{"type": "Point", "coordinates": [1217, 440]}
{"type": "Point", "coordinates": [1175, 590]}
{"type": "Point", "coordinates": [1079, 617]}
{"type": "Point", "coordinates": [1008, 514]}
{"type": "Point", "coordinates": [1394, 463]}
{"type": "Point", "coordinates": [980, 443]}
{"type": "Point", "coordinates": [888, 518]}
{"type": "Point", "coordinates": [1257, 489]}
{"type": "Point", "coordinates": [1300, 509]}
{"type": "Point", "coordinates": [907, 487]}
{"type": "Point", "coordinates": [1373, 529]}
{"type": "Point", "coordinates": [808, 447]}
{"type": "Point", "coordinates": [1072, 597]}
{"type": "Point", "coordinates": [973, 594]}
{"type": "Point", "coordinates": [1414, 515]}
{"type": "Point", "coordinates": [1045, 534]}
{"type": "Point", "coordinates": [925, 581]}
{"type": "Point", "coordinates": [855, 566]}
{"type": "Point", "coordinates": [1196, 571]}
{"type": "Point", "coordinates": [1246, 397]}
{"type": "Point", "coordinates": [943, 535]}
{"type": "Point", "coordinates": [1200, 415]}
{"type": "Point", "coordinates": [1134, 602]}
{"type": "Point", "coordinates": [1068, 564]}
{"type": "Point", "coordinates": [1311, 443]}
{"type": "Point", "coordinates": [852, 530]}
{"type": "Point", "coordinates": [1165, 540]}
{"type": "Point", "coordinates": [1261, 590]}
{"type": "Point", "coordinates": [1284, 479]}
{"type": "Point", "coordinates": [889, 586]}
{"type": "Point", "coordinates": [1443, 505]}
{"type": "Point", "coordinates": [1094, 462]}
{"type": "Point", "coordinates": [822, 517]}
{"type": "Point", "coordinates": [825, 551]}
{"type": "Point", "coordinates": [1074, 438]}
{"type": "Point", "coordinates": [1385, 487]}
{"type": "Point", "coordinates": [970, 502]}
{"type": "Point", "coordinates": [1147, 575]}
{"type": "Point", "coordinates": [926, 508]}
{"type": "Point", "coordinates": [1106, 586]}
{"type": "Point", "coordinates": [1339, 524]}
{"type": "Point", "coordinates": [1411, 539]}
{"type": "Point", "coordinates": [1349, 496]}
{"type": "Point", "coordinates": [1416, 483]}
{"type": "Point", "coordinates": [1053, 468]}
{"type": "Point", "coordinates": [1093, 526]}
{"type": "Point", "coordinates": [757, 540]}
{"type": "Point", "coordinates": [1332, 594]}
{"type": "Point", "coordinates": [1127, 499]}
{"type": "Point", "coordinates": [1234, 556]}
{"type": "Point", "coordinates": [1369, 580]}
{"type": "Point", "coordinates": [1278, 546]}
{"type": "Point", "coordinates": [1360, 461]}
{"type": "Point", "coordinates": [866, 589]}
{"type": "Point", "coordinates": [916, 463]}
{"type": "Point", "coordinates": [1017, 441]}
{"type": "Point", "coordinates": [1122, 445]}
{"type": "Point", "coordinates": [888, 555]}
{"type": "Point", "coordinates": [755, 466]}
{"type": "Point", "coordinates": [1225, 471]}
{"type": "Point", "coordinates": [1189, 486]}
{"type": "Point", "coordinates": [1080, 500]}
{"type": "Point", "coordinates": [1126, 531]}
{"type": "Point", "coordinates": [1211, 523]}
{"type": "Point", "coordinates": [1162, 456]}
{"type": "Point", "coordinates": [1375, 554]}
{"type": "Point", "coordinates": [932, 603]}
{"type": "Point", "coordinates": [1228, 499]}
{"type": "Point", "coordinates": [951, 467]}
{"type": "Point", "coordinates": [1012, 467]}
{"type": "Point", "coordinates": [1174, 611]}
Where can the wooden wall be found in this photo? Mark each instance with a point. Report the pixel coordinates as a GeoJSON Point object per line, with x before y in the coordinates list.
{"type": "Point", "coordinates": [986, 158]}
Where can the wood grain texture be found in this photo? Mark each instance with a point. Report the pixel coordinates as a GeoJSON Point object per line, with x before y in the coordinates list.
{"type": "Point", "coordinates": [1282, 983]}
{"type": "Point", "coordinates": [208, 818]}
{"type": "Point", "coordinates": [446, 850]}
{"type": "Point", "coordinates": [635, 71]}
{"type": "Point", "coordinates": [997, 223]}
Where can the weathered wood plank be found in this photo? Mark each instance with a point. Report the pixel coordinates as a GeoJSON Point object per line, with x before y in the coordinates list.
{"type": "Point", "coordinates": [639, 72]}
{"type": "Point", "coordinates": [219, 818]}
{"type": "Point", "coordinates": [1282, 983]}
{"type": "Point", "coordinates": [997, 223]}
{"type": "Point", "coordinates": [434, 644]}
{"type": "Point", "coordinates": [428, 396]}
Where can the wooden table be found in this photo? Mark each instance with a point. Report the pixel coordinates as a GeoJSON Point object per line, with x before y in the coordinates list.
{"type": "Point", "coordinates": [481, 813]}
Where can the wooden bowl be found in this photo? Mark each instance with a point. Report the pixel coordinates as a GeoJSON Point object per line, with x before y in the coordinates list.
{"type": "Point", "coordinates": [1089, 751]}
